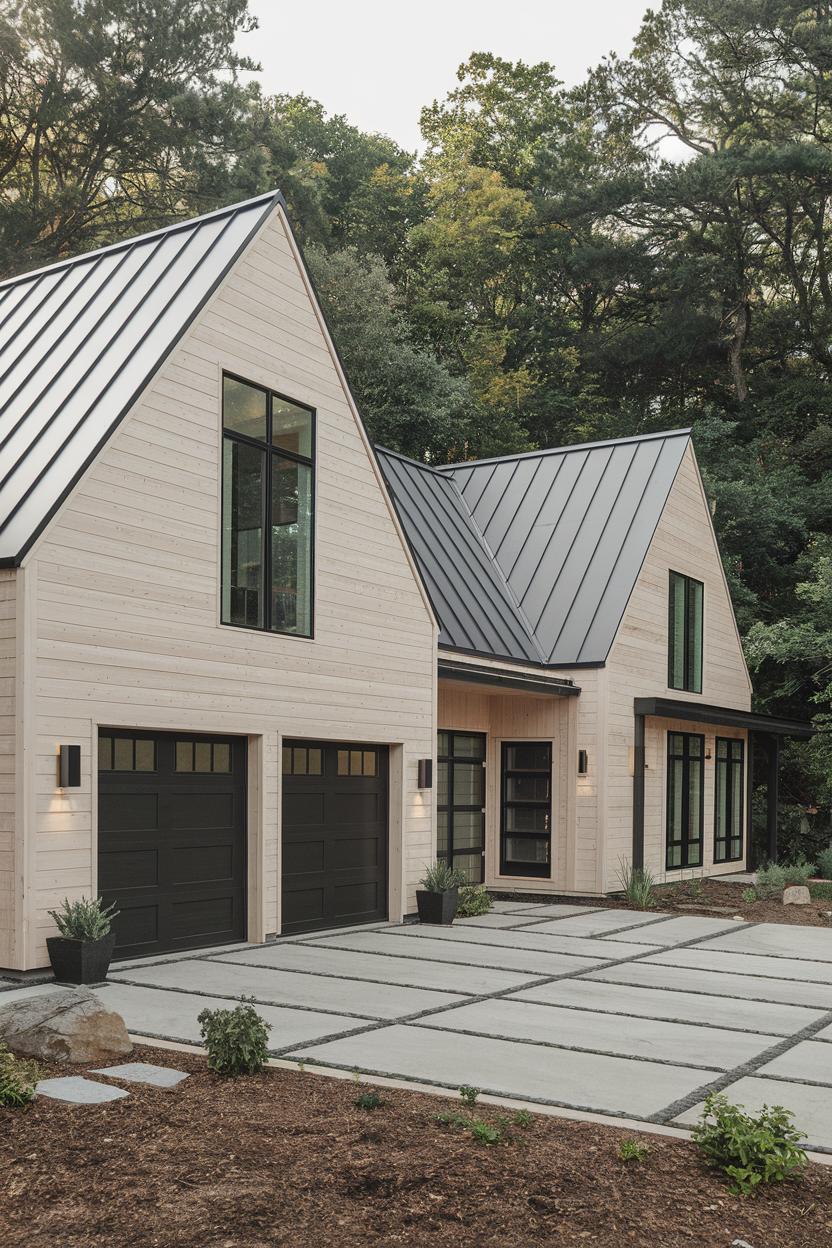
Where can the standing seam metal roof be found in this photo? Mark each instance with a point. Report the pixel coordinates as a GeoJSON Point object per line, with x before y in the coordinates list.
{"type": "Point", "coordinates": [560, 536]}
{"type": "Point", "coordinates": [80, 340]}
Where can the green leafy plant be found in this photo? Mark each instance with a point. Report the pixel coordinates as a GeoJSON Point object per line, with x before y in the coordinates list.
{"type": "Point", "coordinates": [18, 1079]}
{"type": "Point", "coordinates": [637, 884]}
{"type": "Point", "coordinates": [825, 863]}
{"type": "Point", "coordinates": [750, 1151]}
{"type": "Point", "coordinates": [368, 1100]}
{"type": "Point", "coordinates": [237, 1040]}
{"type": "Point", "coordinates": [799, 872]}
{"type": "Point", "coordinates": [469, 1095]}
{"type": "Point", "coordinates": [749, 895]}
{"type": "Point", "coordinates": [87, 919]}
{"type": "Point", "coordinates": [484, 1132]}
{"type": "Point", "coordinates": [439, 877]}
{"type": "Point", "coordinates": [770, 881]}
{"type": "Point", "coordinates": [473, 900]}
{"type": "Point", "coordinates": [821, 891]}
{"type": "Point", "coordinates": [522, 1118]}
{"type": "Point", "coordinates": [632, 1150]}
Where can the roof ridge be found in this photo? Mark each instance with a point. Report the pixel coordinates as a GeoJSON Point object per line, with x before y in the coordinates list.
{"type": "Point", "coordinates": [408, 459]}
{"type": "Point", "coordinates": [124, 243]}
{"type": "Point", "coordinates": [562, 450]}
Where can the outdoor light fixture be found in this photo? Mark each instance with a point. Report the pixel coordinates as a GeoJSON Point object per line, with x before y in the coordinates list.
{"type": "Point", "coordinates": [69, 766]}
{"type": "Point", "coordinates": [425, 773]}
{"type": "Point", "coordinates": [583, 762]}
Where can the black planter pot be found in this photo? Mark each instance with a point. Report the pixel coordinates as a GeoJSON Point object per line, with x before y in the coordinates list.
{"type": "Point", "coordinates": [437, 907]}
{"type": "Point", "coordinates": [80, 961]}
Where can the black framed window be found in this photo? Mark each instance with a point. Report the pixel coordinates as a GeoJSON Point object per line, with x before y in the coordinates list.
{"type": "Point", "coordinates": [684, 666]}
{"type": "Point", "coordinates": [268, 491]}
{"type": "Point", "coordinates": [526, 815]}
{"type": "Point", "coordinates": [729, 793]}
{"type": "Point", "coordinates": [685, 806]}
{"type": "Point", "coordinates": [460, 802]}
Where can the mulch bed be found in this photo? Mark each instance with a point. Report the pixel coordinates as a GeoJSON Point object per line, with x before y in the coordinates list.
{"type": "Point", "coordinates": [286, 1158]}
{"type": "Point", "coordinates": [715, 898]}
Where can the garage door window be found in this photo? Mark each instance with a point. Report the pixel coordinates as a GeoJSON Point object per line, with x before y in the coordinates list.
{"type": "Point", "coordinates": [357, 763]}
{"type": "Point", "coordinates": [267, 510]}
{"type": "Point", "coordinates": [126, 754]}
{"type": "Point", "coordinates": [203, 756]}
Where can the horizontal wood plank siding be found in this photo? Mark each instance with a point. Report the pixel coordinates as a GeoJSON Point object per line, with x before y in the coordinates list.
{"type": "Point", "coordinates": [127, 629]}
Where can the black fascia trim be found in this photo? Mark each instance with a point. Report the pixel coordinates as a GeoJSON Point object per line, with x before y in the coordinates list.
{"type": "Point", "coordinates": [669, 708]}
{"type": "Point", "coordinates": [511, 658]}
{"type": "Point", "coordinates": [270, 202]}
{"type": "Point", "coordinates": [507, 679]}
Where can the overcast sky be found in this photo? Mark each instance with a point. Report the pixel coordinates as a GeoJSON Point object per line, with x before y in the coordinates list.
{"type": "Point", "coordinates": [379, 62]}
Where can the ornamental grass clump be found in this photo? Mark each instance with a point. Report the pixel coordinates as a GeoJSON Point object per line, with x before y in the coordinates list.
{"type": "Point", "coordinates": [88, 919]}
{"type": "Point", "coordinates": [439, 877]}
{"type": "Point", "coordinates": [751, 1152]}
{"type": "Point", "coordinates": [637, 885]}
{"type": "Point", "coordinates": [236, 1040]}
{"type": "Point", "coordinates": [18, 1079]}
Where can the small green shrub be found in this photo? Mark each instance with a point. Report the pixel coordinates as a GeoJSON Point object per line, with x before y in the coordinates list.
{"type": "Point", "coordinates": [695, 889]}
{"type": "Point", "coordinates": [469, 1095]}
{"type": "Point", "coordinates": [368, 1100]}
{"type": "Point", "coordinates": [473, 900]}
{"type": "Point", "coordinates": [18, 1079]}
{"type": "Point", "coordinates": [484, 1133]}
{"type": "Point", "coordinates": [87, 919]}
{"type": "Point", "coordinates": [522, 1118]}
{"type": "Point", "coordinates": [749, 895]}
{"type": "Point", "coordinates": [822, 891]}
{"type": "Point", "coordinates": [799, 872]}
{"type": "Point", "coordinates": [771, 880]}
{"type": "Point", "coordinates": [439, 877]}
{"type": "Point", "coordinates": [632, 1150]}
{"type": "Point", "coordinates": [236, 1040]}
{"type": "Point", "coordinates": [637, 884]}
{"type": "Point", "coordinates": [825, 863]}
{"type": "Point", "coordinates": [750, 1151]}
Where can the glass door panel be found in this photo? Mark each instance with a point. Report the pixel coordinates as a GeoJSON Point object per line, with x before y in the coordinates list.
{"type": "Point", "coordinates": [460, 797]}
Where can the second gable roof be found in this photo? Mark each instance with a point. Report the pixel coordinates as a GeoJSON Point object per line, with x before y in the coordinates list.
{"type": "Point", "coordinates": [556, 538]}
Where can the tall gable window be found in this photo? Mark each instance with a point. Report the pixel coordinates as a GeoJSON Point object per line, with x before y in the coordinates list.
{"type": "Point", "coordinates": [684, 668]}
{"type": "Point", "coordinates": [267, 510]}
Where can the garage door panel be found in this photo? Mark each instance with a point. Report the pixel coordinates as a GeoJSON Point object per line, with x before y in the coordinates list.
{"type": "Point", "coordinates": [334, 863]}
{"type": "Point", "coordinates": [172, 841]}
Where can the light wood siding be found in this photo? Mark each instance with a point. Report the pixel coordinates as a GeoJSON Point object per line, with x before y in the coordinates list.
{"type": "Point", "coordinates": [518, 716]}
{"type": "Point", "coordinates": [11, 875]}
{"type": "Point", "coordinates": [127, 596]}
{"type": "Point", "coordinates": [637, 667]}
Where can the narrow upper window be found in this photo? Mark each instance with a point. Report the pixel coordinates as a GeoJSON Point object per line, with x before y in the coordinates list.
{"type": "Point", "coordinates": [684, 668]}
{"type": "Point", "coordinates": [267, 510]}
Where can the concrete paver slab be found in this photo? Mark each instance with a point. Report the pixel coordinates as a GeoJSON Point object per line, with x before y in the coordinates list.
{"type": "Point", "coordinates": [490, 920]}
{"type": "Point", "coordinates": [600, 923]}
{"type": "Point", "coordinates": [812, 1107]}
{"type": "Point", "coordinates": [25, 991]}
{"type": "Point", "coordinates": [291, 988]}
{"type": "Point", "coordinates": [582, 947]}
{"type": "Point", "coordinates": [144, 1072]}
{"type": "Point", "coordinates": [330, 959]}
{"type": "Point", "coordinates": [810, 1060]}
{"type": "Point", "coordinates": [654, 1002]}
{"type": "Point", "coordinates": [566, 1077]}
{"type": "Point", "coordinates": [173, 1015]}
{"type": "Point", "coordinates": [778, 940]}
{"type": "Point", "coordinates": [746, 964]}
{"type": "Point", "coordinates": [718, 983]}
{"type": "Point", "coordinates": [462, 952]}
{"type": "Point", "coordinates": [676, 931]}
{"type": "Point", "coordinates": [79, 1091]}
{"type": "Point", "coordinates": [546, 910]}
{"type": "Point", "coordinates": [685, 1043]}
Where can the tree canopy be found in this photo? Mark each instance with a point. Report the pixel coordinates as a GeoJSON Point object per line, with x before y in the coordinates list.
{"type": "Point", "coordinates": [647, 250]}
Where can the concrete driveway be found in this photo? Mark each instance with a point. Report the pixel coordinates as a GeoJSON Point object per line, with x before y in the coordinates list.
{"type": "Point", "coordinates": [610, 1011]}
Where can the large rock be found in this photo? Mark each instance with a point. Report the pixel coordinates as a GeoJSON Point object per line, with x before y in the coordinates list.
{"type": "Point", "coordinates": [796, 895]}
{"type": "Point", "coordinates": [66, 1026]}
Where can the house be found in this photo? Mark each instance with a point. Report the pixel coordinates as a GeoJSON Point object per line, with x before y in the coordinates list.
{"type": "Point", "coordinates": [234, 638]}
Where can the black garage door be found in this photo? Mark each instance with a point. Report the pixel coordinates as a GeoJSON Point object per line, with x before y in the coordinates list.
{"type": "Point", "coordinates": [334, 835]}
{"type": "Point", "coordinates": [171, 839]}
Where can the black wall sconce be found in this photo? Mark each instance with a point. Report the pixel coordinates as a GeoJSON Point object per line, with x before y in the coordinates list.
{"type": "Point", "coordinates": [583, 762]}
{"type": "Point", "coordinates": [425, 773]}
{"type": "Point", "coordinates": [69, 766]}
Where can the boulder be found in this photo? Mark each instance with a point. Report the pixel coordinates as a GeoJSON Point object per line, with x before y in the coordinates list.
{"type": "Point", "coordinates": [66, 1026]}
{"type": "Point", "coordinates": [796, 895]}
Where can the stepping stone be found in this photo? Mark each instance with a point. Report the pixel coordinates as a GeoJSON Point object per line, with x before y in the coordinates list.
{"type": "Point", "coordinates": [144, 1072]}
{"type": "Point", "coordinates": [78, 1091]}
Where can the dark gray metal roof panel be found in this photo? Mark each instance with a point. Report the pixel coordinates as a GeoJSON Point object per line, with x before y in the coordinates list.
{"type": "Point", "coordinates": [80, 339]}
{"type": "Point", "coordinates": [555, 537]}
{"type": "Point", "coordinates": [475, 610]}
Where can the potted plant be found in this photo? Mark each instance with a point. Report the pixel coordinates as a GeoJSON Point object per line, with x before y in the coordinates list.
{"type": "Point", "coordinates": [81, 953]}
{"type": "Point", "coordinates": [438, 897]}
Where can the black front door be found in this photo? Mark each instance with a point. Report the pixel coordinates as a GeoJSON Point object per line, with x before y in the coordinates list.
{"type": "Point", "coordinates": [334, 867]}
{"type": "Point", "coordinates": [172, 838]}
